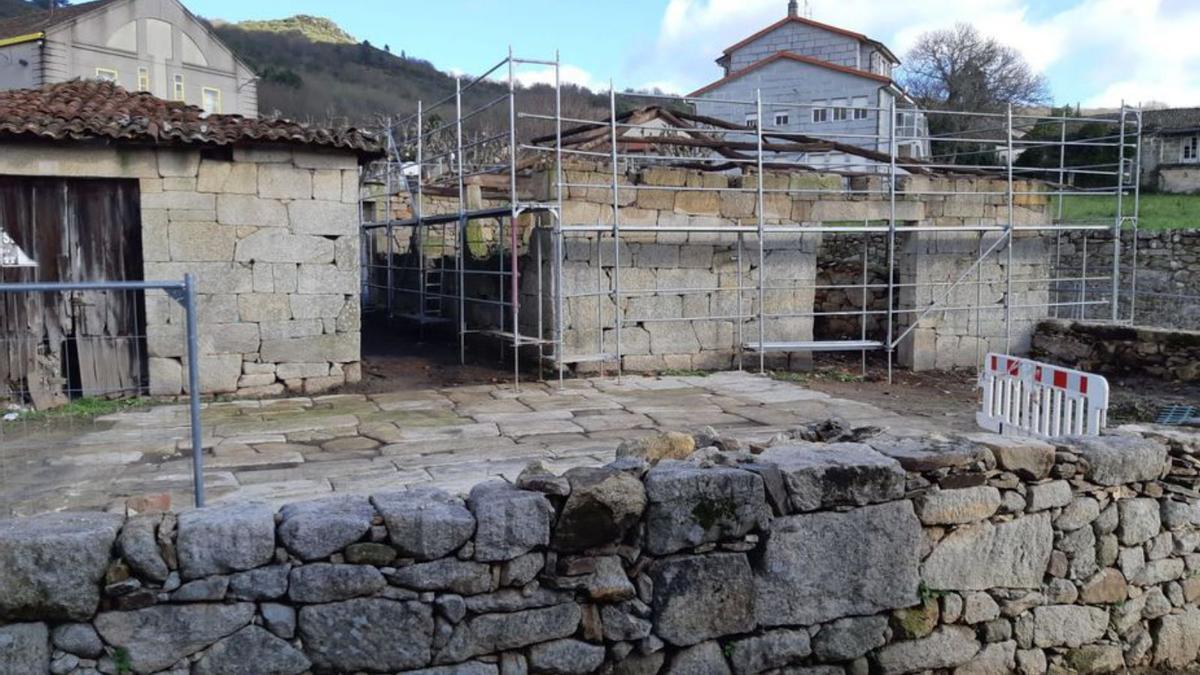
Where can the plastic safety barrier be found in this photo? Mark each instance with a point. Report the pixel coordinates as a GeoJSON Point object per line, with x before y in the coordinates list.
{"type": "Point", "coordinates": [1026, 397]}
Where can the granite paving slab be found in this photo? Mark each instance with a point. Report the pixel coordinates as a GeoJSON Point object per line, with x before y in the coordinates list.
{"type": "Point", "coordinates": [297, 447]}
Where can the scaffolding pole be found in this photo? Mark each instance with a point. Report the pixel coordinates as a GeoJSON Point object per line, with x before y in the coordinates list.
{"type": "Point", "coordinates": [1116, 262]}
{"type": "Point", "coordinates": [1009, 204]}
{"type": "Point", "coordinates": [773, 149]}
{"type": "Point", "coordinates": [762, 266]}
{"type": "Point", "coordinates": [891, 238]}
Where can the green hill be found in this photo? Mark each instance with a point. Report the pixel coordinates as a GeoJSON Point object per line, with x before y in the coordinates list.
{"type": "Point", "coordinates": [360, 84]}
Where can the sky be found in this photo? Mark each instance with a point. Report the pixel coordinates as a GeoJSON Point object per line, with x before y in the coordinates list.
{"type": "Point", "coordinates": [1093, 52]}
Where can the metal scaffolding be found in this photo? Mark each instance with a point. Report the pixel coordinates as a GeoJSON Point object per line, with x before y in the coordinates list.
{"type": "Point", "coordinates": [436, 273]}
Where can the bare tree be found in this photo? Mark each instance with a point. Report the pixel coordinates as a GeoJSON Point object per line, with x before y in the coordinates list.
{"type": "Point", "coordinates": [960, 69]}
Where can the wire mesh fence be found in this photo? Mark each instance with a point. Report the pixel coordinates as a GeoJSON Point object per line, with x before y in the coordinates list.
{"type": "Point", "coordinates": [75, 395]}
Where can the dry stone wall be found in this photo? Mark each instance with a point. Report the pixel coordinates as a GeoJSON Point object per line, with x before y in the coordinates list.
{"type": "Point", "coordinates": [1120, 350]}
{"type": "Point", "coordinates": [830, 551]}
{"type": "Point", "coordinates": [1168, 276]}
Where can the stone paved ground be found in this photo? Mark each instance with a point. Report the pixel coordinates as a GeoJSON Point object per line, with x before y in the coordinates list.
{"type": "Point", "coordinates": [288, 449]}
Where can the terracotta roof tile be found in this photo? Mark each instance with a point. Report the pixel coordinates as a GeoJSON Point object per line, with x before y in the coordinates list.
{"type": "Point", "coordinates": [89, 109]}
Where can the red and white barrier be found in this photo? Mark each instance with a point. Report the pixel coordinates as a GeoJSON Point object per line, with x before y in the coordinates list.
{"type": "Point", "coordinates": [1026, 397]}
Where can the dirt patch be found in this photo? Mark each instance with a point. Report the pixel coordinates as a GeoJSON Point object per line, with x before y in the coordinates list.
{"type": "Point", "coordinates": [398, 356]}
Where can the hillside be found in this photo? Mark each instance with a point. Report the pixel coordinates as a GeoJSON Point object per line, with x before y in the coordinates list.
{"type": "Point", "coordinates": [312, 70]}
{"type": "Point", "coordinates": [314, 79]}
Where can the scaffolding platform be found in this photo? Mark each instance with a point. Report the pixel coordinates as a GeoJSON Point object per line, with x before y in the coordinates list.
{"type": "Point", "coordinates": [814, 346]}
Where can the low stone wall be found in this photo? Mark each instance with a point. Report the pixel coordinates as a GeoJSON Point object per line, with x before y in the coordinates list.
{"type": "Point", "coordinates": [865, 553]}
{"type": "Point", "coordinates": [1168, 276]}
{"type": "Point", "coordinates": [1120, 350]}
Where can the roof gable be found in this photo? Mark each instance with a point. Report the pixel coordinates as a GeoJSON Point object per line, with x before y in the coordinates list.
{"type": "Point", "coordinates": [812, 24]}
{"type": "Point", "coordinates": [790, 56]}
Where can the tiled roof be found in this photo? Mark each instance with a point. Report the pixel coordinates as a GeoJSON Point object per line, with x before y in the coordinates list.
{"type": "Point", "coordinates": [38, 21]}
{"type": "Point", "coordinates": [791, 56]}
{"type": "Point", "coordinates": [1171, 119]}
{"type": "Point", "coordinates": [89, 109]}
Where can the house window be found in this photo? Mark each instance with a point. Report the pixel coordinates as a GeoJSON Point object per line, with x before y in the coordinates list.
{"type": "Point", "coordinates": [840, 112]}
{"type": "Point", "coordinates": [210, 100]}
{"type": "Point", "coordinates": [860, 107]}
{"type": "Point", "coordinates": [106, 75]}
{"type": "Point", "coordinates": [819, 112]}
{"type": "Point", "coordinates": [1190, 147]}
{"type": "Point", "coordinates": [177, 93]}
{"type": "Point", "coordinates": [781, 119]}
{"type": "Point", "coordinates": [752, 120]}
{"type": "Point", "coordinates": [143, 79]}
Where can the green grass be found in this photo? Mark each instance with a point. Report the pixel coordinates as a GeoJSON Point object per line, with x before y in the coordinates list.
{"type": "Point", "coordinates": [81, 409]}
{"type": "Point", "coordinates": [1156, 212]}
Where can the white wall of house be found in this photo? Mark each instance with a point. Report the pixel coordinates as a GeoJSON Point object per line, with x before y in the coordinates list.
{"type": "Point", "coordinates": [801, 39]}
{"type": "Point", "coordinates": [145, 45]}
{"type": "Point", "coordinates": [803, 98]}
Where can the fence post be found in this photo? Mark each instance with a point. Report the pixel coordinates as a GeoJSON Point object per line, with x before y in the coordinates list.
{"type": "Point", "coordinates": [193, 354]}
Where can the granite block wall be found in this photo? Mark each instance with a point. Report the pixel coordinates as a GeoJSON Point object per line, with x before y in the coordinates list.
{"type": "Point", "coordinates": [271, 235]}
{"type": "Point", "coordinates": [887, 554]}
{"type": "Point", "coordinates": [1120, 350]}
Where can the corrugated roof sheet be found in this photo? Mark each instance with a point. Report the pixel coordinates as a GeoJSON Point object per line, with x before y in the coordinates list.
{"type": "Point", "coordinates": [88, 109]}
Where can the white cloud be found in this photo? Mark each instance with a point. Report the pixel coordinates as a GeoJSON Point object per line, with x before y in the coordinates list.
{"type": "Point", "coordinates": [1136, 49]}
{"type": "Point", "coordinates": [567, 74]}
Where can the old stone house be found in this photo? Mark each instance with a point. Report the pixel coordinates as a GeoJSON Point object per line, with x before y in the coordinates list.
{"type": "Point", "coordinates": [156, 46]}
{"type": "Point", "coordinates": [99, 183]}
{"type": "Point", "coordinates": [1171, 150]}
{"type": "Point", "coordinates": [815, 79]}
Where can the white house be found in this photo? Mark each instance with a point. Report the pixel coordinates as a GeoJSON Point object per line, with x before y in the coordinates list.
{"type": "Point", "coordinates": [156, 46]}
{"type": "Point", "coordinates": [818, 80]}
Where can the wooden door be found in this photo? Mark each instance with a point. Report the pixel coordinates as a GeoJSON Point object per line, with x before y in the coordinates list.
{"type": "Point", "coordinates": [57, 346]}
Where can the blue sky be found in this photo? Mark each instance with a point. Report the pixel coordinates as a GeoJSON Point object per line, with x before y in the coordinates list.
{"type": "Point", "coordinates": [1094, 52]}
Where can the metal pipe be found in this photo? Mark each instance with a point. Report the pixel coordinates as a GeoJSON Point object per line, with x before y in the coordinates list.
{"type": "Point", "coordinates": [514, 281]}
{"type": "Point", "coordinates": [1116, 262]}
{"type": "Point", "coordinates": [461, 254]}
{"type": "Point", "coordinates": [1009, 237]}
{"type": "Point", "coordinates": [616, 227]}
{"type": "Point", "coordinates": [762, 337]}
{"type": "Point", "coordinates": [1137, 206]}
{"type": "Point", "coordinates": [193, 354]}
{"type": "Point", "coordinates": [891, 238]}
{"type": "Point", "coordinates": [558, 218]}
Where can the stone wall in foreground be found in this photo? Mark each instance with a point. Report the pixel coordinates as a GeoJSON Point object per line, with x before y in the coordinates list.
{"type": "Point", "coordinates": [1170, 354]}
{"type": "Point", "coordinates": [887, 554]}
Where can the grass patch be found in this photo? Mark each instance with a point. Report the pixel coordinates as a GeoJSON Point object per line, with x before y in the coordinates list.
{"type": "Point", "coordinates": [1155, 212]}
{"type": "Point", "coordinates": [81, 409]}
{"type": "Point", "coordinates": [827, 374]}
{"type": "Point", "coordinates": [682, 372]}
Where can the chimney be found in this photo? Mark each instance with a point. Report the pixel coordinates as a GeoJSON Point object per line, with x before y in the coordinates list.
{"type": "Point", "coordinates": [793, 8]}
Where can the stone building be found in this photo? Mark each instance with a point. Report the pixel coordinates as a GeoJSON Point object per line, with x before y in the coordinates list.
{"type": "Point", "coordinates": [263, 213]}
{"type": "Point", "coordinates": [1171, 150]}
